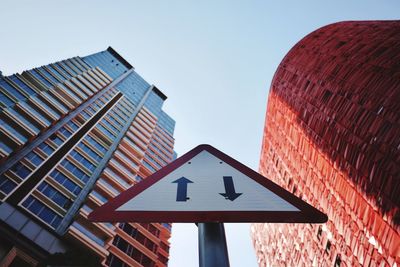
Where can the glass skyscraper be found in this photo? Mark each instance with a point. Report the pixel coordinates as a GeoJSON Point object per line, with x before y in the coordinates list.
{"type": "Point", "coordinates": [74, 134]}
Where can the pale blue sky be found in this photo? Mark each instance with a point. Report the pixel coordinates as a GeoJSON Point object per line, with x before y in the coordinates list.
{"type": "Point", "coordinates": [213, 59]}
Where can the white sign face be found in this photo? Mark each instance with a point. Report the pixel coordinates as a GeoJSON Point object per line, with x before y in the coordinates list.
{"type": "Point", "coordinates": [206, 183]}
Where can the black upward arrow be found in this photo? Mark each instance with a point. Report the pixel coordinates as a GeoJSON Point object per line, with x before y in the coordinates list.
{"type": "Point", "coordinates": [181, 193]}
{"type": "Point", "coordinates": [229, 189]}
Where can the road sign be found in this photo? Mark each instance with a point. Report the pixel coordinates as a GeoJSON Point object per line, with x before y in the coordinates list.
{"type": "Point", "coordinates": [206, 185]}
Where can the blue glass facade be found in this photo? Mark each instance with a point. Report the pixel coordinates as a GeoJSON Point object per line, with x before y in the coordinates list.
{"type": "Point", "coordinates": [137, 82]}
{"type": "Point", "coordinates": [74, 134]}
{"type": "Point", "coordinates": [107, 62]}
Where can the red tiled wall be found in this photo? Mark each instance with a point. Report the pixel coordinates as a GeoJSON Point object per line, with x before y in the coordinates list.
{"type": "Point", "coordinates": [332, 136]}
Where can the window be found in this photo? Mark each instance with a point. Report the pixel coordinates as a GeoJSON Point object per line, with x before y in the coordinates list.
{"type": "Point", "coordinates": [57, 140]}
{"type": "Point", "coordinates": [117, 115]}
{"type": "Point", "coordinates": [42, 211]}
{"type": "Point", "coordinates": [90, 110]}
{"type": "Point", "coordinates": [114, 261]}
{"type": "Point", "coordinates": [131, 251]}
{"type": "Point", "coordinates": [11, 90]}
{"type": "Point", "coordinates": [46, 107]}
{"type": "Point", "coordinates": [34, 158]}
{"type": "Point", "coordinates": [151, 228]}
{"type": "Point", "coordinates": [61, 70]}
{"type": "Point", "coordinates": [338, 261]}
{"type": "Point", "coordinates": [326, 96]}
{"type": "Point", "coordinates": [94, 107]}
{"type": "Point", "coordinates": [89, 234]}
{"type": "Point", "coordinates": [109, 186]}
{"type": "Point", "coordinates": [148, 166]}
{"type": "Point", "coordinates": [118, 178]}
{"type": "Point", "coordinates": [40, 78]}
{"type": "Point", "coordinates": [55, 72]}
{"type": "Point", "coordinates": [85, 115]}
{"type": "Point", "coordinates": [152, 161]}
{"type": "Point", "coordinates": [46, 148]}
{"type": "Point", "coordinates": [99, 196]}
{"type": "Point", "coordinates": [22, 85]}
{"type": "Point", "coordinates": [319, 233]}
{"type": "Point", "coordinates": [65, 132]}
{"type": "Point", "coordinates": [90, 152]}
{"type": "Point", "coordinates": [75, 170]}
{"type": "Point", "coordinates": [73, 125]}
{"type": "Point", "coordinates": [105, 131]}
{"type": "Point", "coordinates": [20, 117]}
{"type": "Point", "coordinates": [328, 247]}
{"type": "Point", "coordinates": [113, 127]}
{"type": "Point", "coordinates": [35, 113]}
{"type": "Point", "coordinates": [67, 68]}
{"type": "Point", "coordinates": [129, 229]}
{"type": "Point", "coordinates": [20, 170]}
{"type": "Point", "coordinates": [81, 159]}
{"type": "Point", "coordinates": [164, 246]}
{"type": "Point", "coordinates": [6, 185]}
{"type": "Point", "coordinates": [117, 123]}
{"type": "Point", "coordinates": [73, 95]}
{"type": "Point", "coordinates": [54, 195]}
{"type": "Point", "coordinates": [66, 182]}
{"type": "Point", "coordinates": [127, 159]}
{"type": "Point", "coordinates": [14, 132]}
{"type": "Point", "coordinates": [5, 147]}
{"type": "Point", "coordinates": [48, 75]}
{"type": "Point", "coordinates": [96, 144]}
{"type": "Point", "coordinates": [5, 100]}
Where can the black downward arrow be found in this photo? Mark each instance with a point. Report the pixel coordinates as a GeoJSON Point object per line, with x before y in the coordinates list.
{"type": "Point", "coordinates": [230, 192]}
{"type": "Point", "coordinates": [181, 193]}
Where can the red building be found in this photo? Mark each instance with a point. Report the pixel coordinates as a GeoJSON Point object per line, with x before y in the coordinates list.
{"type": "Point", "coordinates": [332, 137]}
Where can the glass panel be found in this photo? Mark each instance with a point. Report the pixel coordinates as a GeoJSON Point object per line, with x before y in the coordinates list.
{"type": "Point", "coordinates": [54, 195]}
{"type": "Point", "coordinates": [61, 70]}
{"type": "Point", "coordinates": [6, 185]}
{"type": "Point", "coordinates": [21, 84]}
{"type": "Point", "coordinates": [35, 113]}
{"type": "Point", "coordinates": [40, 78]}
{"type": "Point", "coordinates": [90, 152]}
{"type": "Point", "coordinates": [5, 147]}
{"type": "Point", "coordinates": [20, 170]}
{"type": "Point", "coordinates": [34, 158]}
{"type": "Point", "coordinates": [24, 120]}
{"type": "Point", "coordinates": [46, 107]}
{"type": "Point", "coordinates": [99, 196]}
{"type": "Point", "coordinates": [65, 132]}
{"type": "Point", "coordinates": [96, 144]}
{"type": "Point", "coordinates": [12, 131]}
{"type": "Point", "coordinates": [11, 90]}
{"type": "Point", "coordinates": [48, 75]}
{"type": "Point", "coordinates": [5, 100]}
{"type": "Point", "coordinates": [55, 72]}
{"type": "Point", "coordinates": [46, 148]}
{"type": "Point", "coordinates": [42, 211]}
{"type": "Point", "coordinates": [66, 182]}
{"type": "Point", "coordinates": [75, 170]}
{"type": "Point", "coordinates": [89, 234]}
{"type": "Point", "coordinates": [81, 159]}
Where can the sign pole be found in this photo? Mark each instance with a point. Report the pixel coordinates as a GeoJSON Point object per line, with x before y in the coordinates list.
{"type": "Point", "coordinates": [213, 251]}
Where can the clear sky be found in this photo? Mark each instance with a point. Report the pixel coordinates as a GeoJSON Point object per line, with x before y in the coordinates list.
{"type": "Point", "coordinates": [213, 59]}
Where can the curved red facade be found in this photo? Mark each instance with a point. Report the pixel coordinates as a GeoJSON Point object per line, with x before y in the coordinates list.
{"type": "Point", "coordinates": [332, 137]}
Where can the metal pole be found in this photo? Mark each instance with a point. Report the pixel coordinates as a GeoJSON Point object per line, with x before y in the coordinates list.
{"type": "Point", "coordinates": [213, 251]}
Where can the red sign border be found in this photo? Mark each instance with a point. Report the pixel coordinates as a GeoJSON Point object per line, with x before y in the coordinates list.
{"type": "Point", "coordinates": [108, 212]}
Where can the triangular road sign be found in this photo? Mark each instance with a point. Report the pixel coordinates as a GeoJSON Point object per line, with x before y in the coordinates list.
{"type": "Point", "coordinates": [206, 185]}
